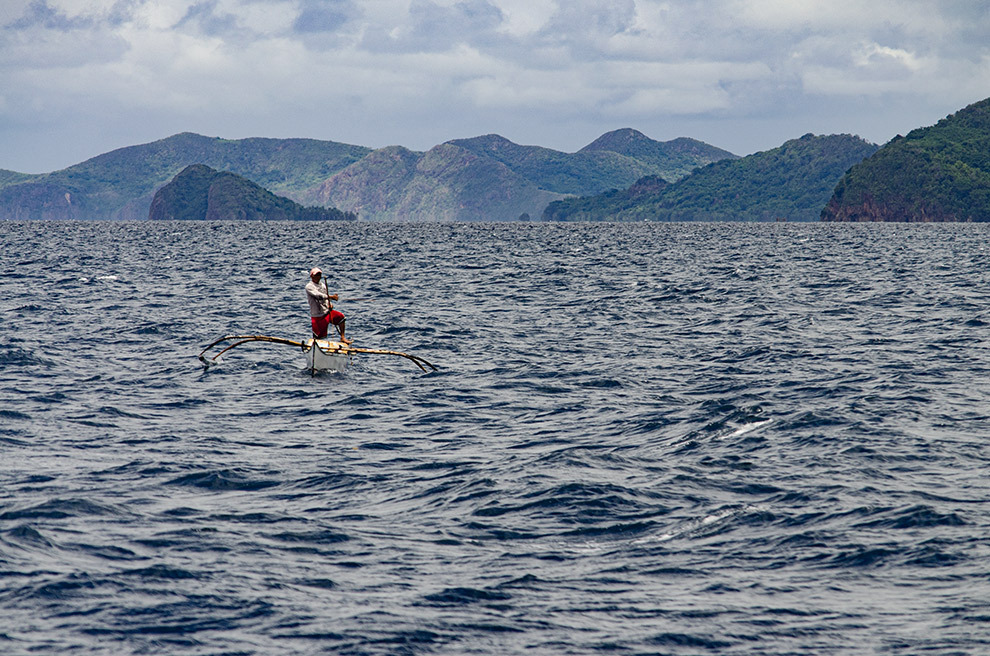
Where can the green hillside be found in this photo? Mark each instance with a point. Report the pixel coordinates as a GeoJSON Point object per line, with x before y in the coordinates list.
{"type": "Point", "coordinates": [120, 184]}
{"type": "Point", "coordinates": [616, 159]}
{"type": "Point", "coordinates": [938, 173]}
{"type": "Point", "coordinates": [672, 159]}
{"type": "Point", "coordinates": [790, 183]}
{"type": "Point", "coordinates": [8, 178]}
{"type": "Point", "coordinates": [199, 193]}
{"type": "Point", "coordinates": [611, 203]}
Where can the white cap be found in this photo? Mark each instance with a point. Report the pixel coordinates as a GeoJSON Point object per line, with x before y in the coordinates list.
{"type": "Point", "coordinates": [314, 271]}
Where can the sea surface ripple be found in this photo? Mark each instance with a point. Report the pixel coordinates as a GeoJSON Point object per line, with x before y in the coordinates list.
{"type": "Point", "coordinates": [642, 439]}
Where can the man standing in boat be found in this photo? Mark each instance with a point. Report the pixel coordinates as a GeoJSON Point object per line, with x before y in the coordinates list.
{"type": "Point", "coordinates": [321, 310]}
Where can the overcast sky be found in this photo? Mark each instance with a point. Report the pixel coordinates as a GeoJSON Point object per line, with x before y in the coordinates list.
{"type": "Point", "coordinates": [82, 77]}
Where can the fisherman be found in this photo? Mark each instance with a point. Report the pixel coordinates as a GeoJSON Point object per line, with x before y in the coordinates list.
{"type": "Point", "coordinates": [321, 310]}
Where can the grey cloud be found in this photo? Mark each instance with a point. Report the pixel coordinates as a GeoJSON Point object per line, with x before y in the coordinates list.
{"type": "Point", "coordinates": [686, 30]}
{"type": "Point", "coordinates": [582, 25]}
{"type": "Point", "coordinates": [40, 14]}
{"type": "Point", "coordinates": [42, 39]}
{"type": "Point", "coordinates": [587, 17]}
{"type": "Point", "coordinates": [971, 25]}
{"type": "Point", "coordinates": [205, 16]}
{"type": "Point", "coordinates": [317, 16]}
{"type": "Point", "coordinates": [435, 28]}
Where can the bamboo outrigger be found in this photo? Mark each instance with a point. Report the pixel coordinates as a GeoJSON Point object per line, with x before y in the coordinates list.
{"type": "Point", "coordinates": [321, 354]}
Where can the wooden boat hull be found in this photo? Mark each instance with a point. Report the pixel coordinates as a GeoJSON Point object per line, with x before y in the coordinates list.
{"type": "Point", "coordinates": [327, 356]}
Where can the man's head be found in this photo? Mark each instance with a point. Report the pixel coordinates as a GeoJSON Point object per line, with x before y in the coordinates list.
{"type": "Point", "coordinates": [315, 274]}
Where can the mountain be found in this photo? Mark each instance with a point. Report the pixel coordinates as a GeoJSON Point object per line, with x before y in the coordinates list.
{"type": "Point", "coordinates": [553, 170]}
{"type": "Point", "coordinates": [673, 159]}
{"type": "Point", "coordinates": [483, 178]}
{"type": "Point", "coordinates": [937, 173]}
{"type": "Point", "coordinates": [8, 178]}
{"type": "Point", "coordinates": [490, 178]}
{"type": "Point", "coordinates": [791, 182]}
{"type": "Point", "coordinates": [616, 159]}
{"type": "Point", "coordinates": [611, 203]}
{"type": "Point", "coordinates": [120, 184]}
{"type": "Point", "coordinates": [446, 183]}
{"type": "Point", "coordinates": [199, 192]}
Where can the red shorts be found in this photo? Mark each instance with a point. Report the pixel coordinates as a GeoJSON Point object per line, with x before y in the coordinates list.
{"type": "Point", "coordinates": [321, 324]}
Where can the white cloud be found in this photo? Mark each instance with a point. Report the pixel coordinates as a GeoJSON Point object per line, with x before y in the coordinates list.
{"type": "Point", "coordinates": [517, 88]}
{"type": "Point", "coordinates": [882, 58]}
{"type": "Point", "coordinates": [156, 16]}
{"type": "Point", "coordinates": [268, 18]}
{"type": "Point", "coordinates": [525, 17]}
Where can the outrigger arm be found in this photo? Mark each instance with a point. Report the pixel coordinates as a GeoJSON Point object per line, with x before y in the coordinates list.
{"type": "Point", "coordinates": [346, 350]}
{"type": "Point", "coordinates": [415, 358]}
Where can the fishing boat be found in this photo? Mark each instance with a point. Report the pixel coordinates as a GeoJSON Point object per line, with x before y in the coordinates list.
{"type": "Point", "coordinates": [321, 354]}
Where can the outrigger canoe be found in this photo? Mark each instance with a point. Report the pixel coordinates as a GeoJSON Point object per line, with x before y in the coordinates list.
{"type": "Point", "coordinates": [321, 354]}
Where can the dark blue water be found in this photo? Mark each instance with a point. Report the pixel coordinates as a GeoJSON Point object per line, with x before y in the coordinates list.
{"type": "Point", "coordinates": [642, 439]}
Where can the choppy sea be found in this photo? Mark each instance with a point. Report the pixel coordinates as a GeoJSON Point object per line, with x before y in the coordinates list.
{"type": "Point", "coordinates": [641, 439]}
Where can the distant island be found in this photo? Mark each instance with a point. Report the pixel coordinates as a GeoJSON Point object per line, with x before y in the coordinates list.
{"type": "Point", "coordinates": [789, 183]}
{"type": "Point", "coordinates": [939, 173]}
{"type": "Point", "coordinates": [200, 193]}
{"type": "Point", "coordinates": [485, 178]}
{"type": "Point", "coordinates": [121, 184]}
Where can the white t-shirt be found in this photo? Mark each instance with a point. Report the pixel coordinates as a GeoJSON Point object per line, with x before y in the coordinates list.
{"type": "Point", "coordinates": [319, 302]}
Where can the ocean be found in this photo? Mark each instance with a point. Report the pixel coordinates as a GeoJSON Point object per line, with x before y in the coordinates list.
{"type": "Point", "coordinates": [652, 438]}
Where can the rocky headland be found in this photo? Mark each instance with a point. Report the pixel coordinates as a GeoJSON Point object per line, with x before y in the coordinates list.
{"type": "Point", "coordinates": [201, 193]}
{"type": "Point", "coordinates": [934, 174]}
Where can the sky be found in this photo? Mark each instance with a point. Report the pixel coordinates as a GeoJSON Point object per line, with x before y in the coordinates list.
{"type": "Point", "coordinates": [82, 77]}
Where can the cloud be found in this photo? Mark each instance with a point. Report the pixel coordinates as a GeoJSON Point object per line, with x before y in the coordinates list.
{"type": "Point", "coordinates": [521, 18]}
{"type": "Point", "coordinates": [586, 21]}
{"type": "Point", "coordinates": [434, 27]}
{"type": "Point", "coordinates": [382, 69]}
{"type": "Point", "coordinates": [209, 18]}
{"type": "Point", "coordinates": [41, 14]}
{"type": "Point", "coordinates": [323, 16]}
